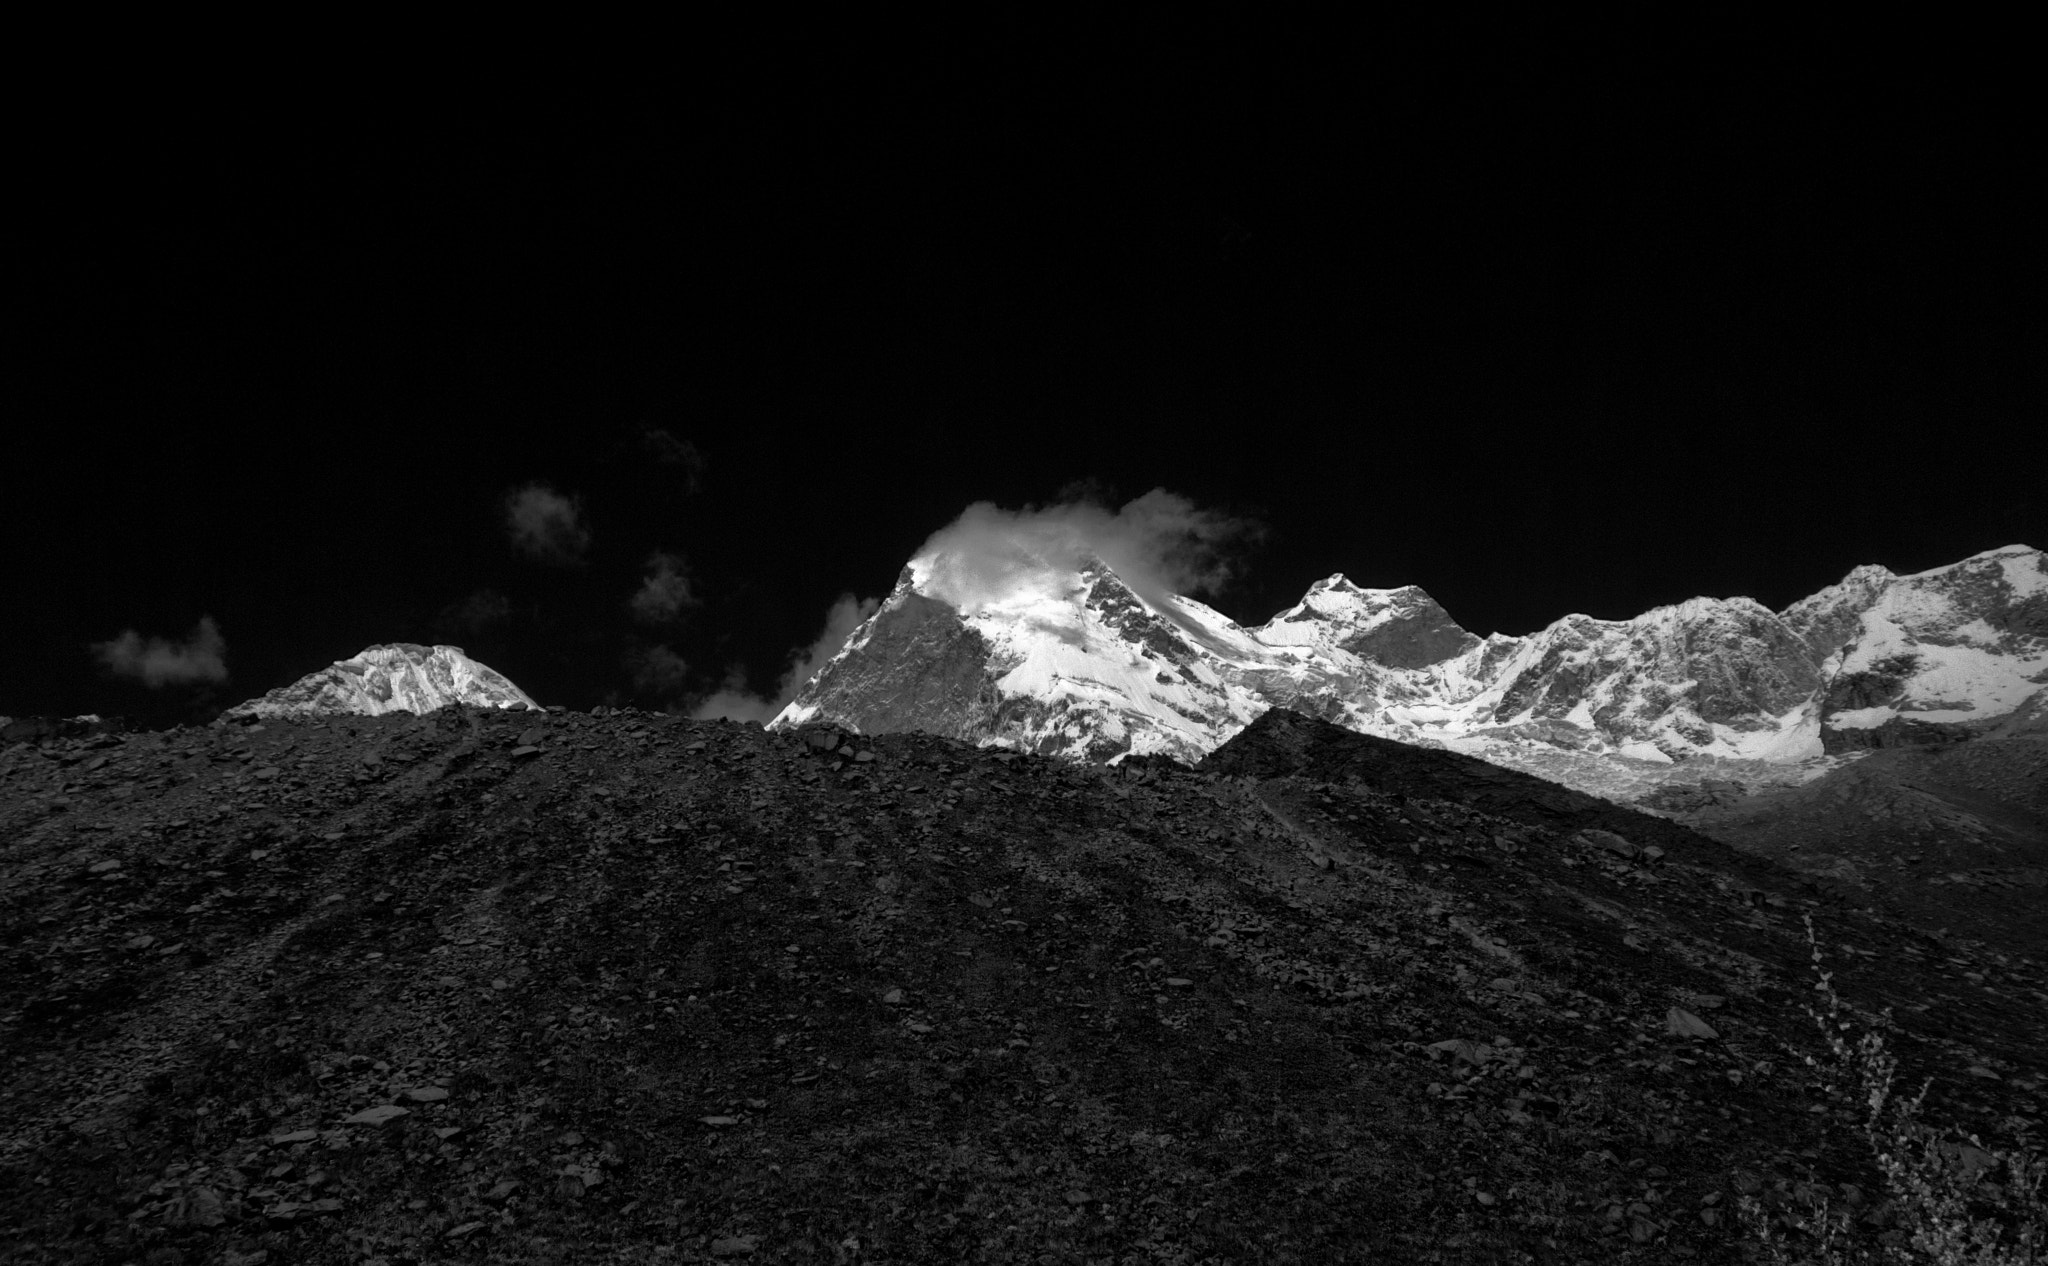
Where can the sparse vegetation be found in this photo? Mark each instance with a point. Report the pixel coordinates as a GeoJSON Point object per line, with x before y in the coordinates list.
{"type": "Point", "coordinates": [1950, 1200]}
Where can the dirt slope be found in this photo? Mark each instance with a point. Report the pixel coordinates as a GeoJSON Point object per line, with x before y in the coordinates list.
{"type": "Point", "coordinates": [622, 988]}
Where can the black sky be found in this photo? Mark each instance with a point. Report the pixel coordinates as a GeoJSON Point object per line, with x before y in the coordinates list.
{"type": "Point", "coordinates": [1541, 334]}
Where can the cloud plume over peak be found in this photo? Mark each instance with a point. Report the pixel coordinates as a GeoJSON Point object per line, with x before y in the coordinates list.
{"type": "Point", "coordinates": [1160, 543]}
{"type": "Point", "coordinates": [157, 662]}
{"type": "Point", "coordinates": [546, 525]}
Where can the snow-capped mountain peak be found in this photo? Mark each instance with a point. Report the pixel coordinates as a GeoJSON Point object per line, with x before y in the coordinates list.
{"type": "Point", "coordinates": [1070, 659]}
{"type": "Point", "coordinates": [397, 677]}
{"type": "Point", "coordinates": [1951, 645]}
{"type": "Point", "coordinates": [1400, 628]}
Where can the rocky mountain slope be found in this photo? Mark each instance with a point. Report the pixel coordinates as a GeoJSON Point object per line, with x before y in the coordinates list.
{"type": "Point", "coordinates": [399, 677]}
{"type": "Point", "coordinates": [1937, 833]}
{"type": "Point", "coordinates": [1079, 665]}
{"type": "Point", "coordinates": [546, 987]}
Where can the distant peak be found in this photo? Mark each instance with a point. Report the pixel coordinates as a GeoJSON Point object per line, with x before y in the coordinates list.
{"type": "Point", "coordinates": [1338, 582]}
{"type": "Point", "coordinates": [391, 677]}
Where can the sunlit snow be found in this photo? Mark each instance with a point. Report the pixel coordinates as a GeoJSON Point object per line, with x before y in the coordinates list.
{"type": "Point", "coordinates": [1080, 664]}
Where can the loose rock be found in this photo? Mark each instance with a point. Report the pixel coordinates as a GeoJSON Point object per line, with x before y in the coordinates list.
{"type": "Point", "coordinates": [1682, 1023]}
{"type": "Point", "coordinates": [378, 1115]}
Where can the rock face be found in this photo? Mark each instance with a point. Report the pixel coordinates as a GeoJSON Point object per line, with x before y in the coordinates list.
{"type": "Point", "coordinates": [1090, 670]}
{"type": "Point", "coordinates": [399, 677]}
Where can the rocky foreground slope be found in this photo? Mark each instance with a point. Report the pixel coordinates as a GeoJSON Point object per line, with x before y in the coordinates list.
{"type": "Point", "coordinates": [487, 986]}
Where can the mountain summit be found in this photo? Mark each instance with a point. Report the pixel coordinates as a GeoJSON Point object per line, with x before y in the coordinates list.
{"type": "Point", "coordinates": [398, 677]}
{"type": "Point", "coordinates": [1081, 665]}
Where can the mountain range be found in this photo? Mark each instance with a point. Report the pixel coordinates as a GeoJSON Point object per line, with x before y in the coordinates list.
{"type": "Point", "coordinates": [1887, 736]}
{"type": "Point", "coordinates": [963, 959]}
{"type": "Point", "coordinates": [1076, 663]}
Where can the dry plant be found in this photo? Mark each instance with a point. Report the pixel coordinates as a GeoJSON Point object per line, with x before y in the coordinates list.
{"type": "Point", "coordinates": [1951, 1200]}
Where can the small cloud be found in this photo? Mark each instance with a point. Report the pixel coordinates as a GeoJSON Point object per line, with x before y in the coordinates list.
{"type": "Point", "coordinates": [1159, 544]}
{"type": "Point", "coordinates": [474, 614]}
{"type": "Point", "coordinates": [665, 591]}
{"type": "Point", "coordinates": [657, 670]}
{"type": "Point", "coordinates": [736, 703]}
{"type": "Point", "coordinates": [546, 526]}
{"type": "Point", "coordinates": [1091, 490]}
{"type": "Point", "coordinates": [680, 456]}
{"type": "Point", "coordinates": [157, 662]}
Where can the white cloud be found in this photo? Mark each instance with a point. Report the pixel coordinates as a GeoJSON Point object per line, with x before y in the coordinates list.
{"type": "Point", "coordinates": [665, 591]}
{"type": "Point", "coordinates": [678, 455]}
{"type": "Point", "coordinates": [1158, 544]}
{"type": "Point", "coordinates": [157, 662]}
{"type": "Point", "coordinates": [659, 670]}
{"type": "Point", "coordinates": [736, 703]}
{"type": "Point", "coordinates": [546, 526]}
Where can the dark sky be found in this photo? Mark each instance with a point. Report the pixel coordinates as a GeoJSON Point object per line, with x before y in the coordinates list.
{"type": "Point", "coordinates": [1539, 334]}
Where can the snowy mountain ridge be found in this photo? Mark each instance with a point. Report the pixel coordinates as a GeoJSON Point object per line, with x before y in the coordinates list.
{"type": "Point", "coordinates": [1080, 665]}
{"type": "Point", "coordinates": [397, 677]}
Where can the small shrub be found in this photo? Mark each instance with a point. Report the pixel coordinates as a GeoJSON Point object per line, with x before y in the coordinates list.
{"type": "Point", "coordinates": [1951, 1201]}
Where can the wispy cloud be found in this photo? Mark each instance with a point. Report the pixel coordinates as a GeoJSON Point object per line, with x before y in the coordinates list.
{"type": "Point", "coordinates": [157, 662]}
{"type": "Point", "coordinates": [479, 611]}
{"type": "Point", "coordinates": [546, 525]}
{"type": "Point", "coordinates": [676, 455]}
{"type": "Point", "coordinates": [658, 670]}
{"type": "Point", "coordinates": [664, 592]}
{"type": "Point", "coordinates": [735, 702]}
{"type": "Point", "coordinates": [1159, 544]}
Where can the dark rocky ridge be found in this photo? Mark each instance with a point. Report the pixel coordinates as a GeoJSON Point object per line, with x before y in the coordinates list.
{"type": "Point", "coordinates": [651, 990]}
